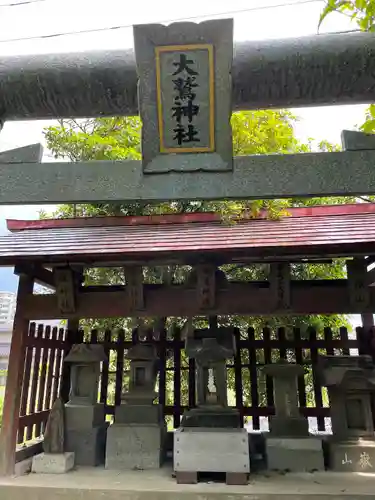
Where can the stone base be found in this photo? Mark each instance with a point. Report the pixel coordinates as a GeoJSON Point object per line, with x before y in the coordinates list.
{"type": "Point", "coordinates": [352, 456]}
{"type": "Point", "coordinates": [138, 414]}
{"type": "Point", "coordinates": [135, 446]}
{"type": "Point", "coordinates": [295, 454]}
{"type": "Point", "coordinates": [289, 426]}
{"type": "Point", "coordinates": [207, 416]}
{"type": "Point", "coordinates": [83, 416]}
{"type": "Point", "coordinates": [46, 463]}
{"type": "Point", "coordinates": [88, 445]}
{"type": "Point", "coordinates": [211, 450]}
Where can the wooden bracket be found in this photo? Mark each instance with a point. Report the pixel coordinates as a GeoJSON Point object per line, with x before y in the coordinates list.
{"type": "Point", "coordinates": [280, 285]}
{"type": "Point", "coordinates": [39, 274]}
{"type": "Point", "coordinates": [134, 287]}
{"type": "Point", "coordinates": [65, 290]}
{"type": "Point", "coordinates": [206, 286]}
{"type": "Point", "coordinates": [359, 293]}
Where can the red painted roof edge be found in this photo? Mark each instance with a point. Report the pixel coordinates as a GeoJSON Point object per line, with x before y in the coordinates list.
{"type": "Point", "coordinates": [314, 211]}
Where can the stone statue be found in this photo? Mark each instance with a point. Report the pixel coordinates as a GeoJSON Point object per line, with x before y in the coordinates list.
{"type": "Point", "coordinates": [54, 435]}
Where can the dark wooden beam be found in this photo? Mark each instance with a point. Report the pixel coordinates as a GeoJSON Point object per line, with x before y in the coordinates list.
{"type": "Point", "coordinates": [38, 273]}
{"type": "Point", "coordinates": [15, 376]}
{"type": "Point", "coordinates": [29, 451]}
{"type": "Point", "coordinates": [306, 297]}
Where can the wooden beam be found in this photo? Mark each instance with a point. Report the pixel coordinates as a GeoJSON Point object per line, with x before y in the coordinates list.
{"type": "Point", "coordinates": [359, 291]}
{"type": "Point", "coordinates": [29, 451]}
{"type": "Point", "coordinates": [65, 290]}
{"type": "Point", "coordinates": [15, 376]}
{"type": "Point", "coordinates": [306, 297]}
{"type": "Point", "coordinates": [72, 329]}
{"type": "Point", "coordinates": [38, 273]}
{"type": "Point", "coordinates": [280, 285]}
{"type": "Point", "coordinates": [134, 288]}
{"type": "Point", "coordinates": [206, 286]}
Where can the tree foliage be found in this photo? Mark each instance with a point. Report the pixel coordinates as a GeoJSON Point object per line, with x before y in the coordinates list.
{"type": "Point", "coordinates": [361, 11]}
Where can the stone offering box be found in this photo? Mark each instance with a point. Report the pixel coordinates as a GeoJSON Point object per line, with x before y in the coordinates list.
{"type": "Point", "coordinates": [84, 416]}
{"type": "Point", "coordinates": [211, 450]}
{"type": "Point", "coordinates": [350, 381]}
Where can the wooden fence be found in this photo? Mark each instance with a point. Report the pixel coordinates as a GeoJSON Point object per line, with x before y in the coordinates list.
{"type": "Point", "coordinates": [248, 389]}
{"type": "Point", "coordinates": [42, 376]}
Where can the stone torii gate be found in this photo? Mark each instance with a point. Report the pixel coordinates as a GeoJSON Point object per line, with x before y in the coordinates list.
{"type": "Point", "coordinates": [318, 70]}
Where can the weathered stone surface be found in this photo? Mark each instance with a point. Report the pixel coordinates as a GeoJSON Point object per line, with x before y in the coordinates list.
{"type": "Point", "coordinates": [135, 447]}
{"type": "Point", "coordinates": [53, 463]}
{"type": "Point", "coordinates": [85, 362]}
{"type": "Point", "coordinates": [295, 454]}
{"type": "Point", "coordinates": [54, 435]}
{"type": "Point", "coordinates": [83, 417]}
{"type": "Point", "coordinates": [288, 421]}
{"type": "Point", "coordinates": [211, 450]}
{"type": "Point", "coordinates": [352, 140]}
{"type": "Point", "coordinates": [270, 176]}
{"type": "Point", "coordinates": [210, 348]}
{"type": "Point", "coordinates": [143, 372]}
{"type": "Point", "coordinates": [207, 416]}
{"type": "Point", "coordinates": [312, 70]}
{"type": "Point", "coordinates": [355, 456]}
{"type": "Point", "coordinates": [86, 353]}
{"type": "Point", "coordinates": [30, 154]}
{"type": "Point", "coordinates": [88, 445]}
{"type": "Point", "coordinates": [350, 381]}
{"type": "Point", "coordinates": [157, 81]}
{"type": "Point", "coordinates": [141, 414]}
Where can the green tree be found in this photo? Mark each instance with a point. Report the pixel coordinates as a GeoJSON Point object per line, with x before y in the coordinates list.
{"type": "Point", "coordinates": [363, 13]}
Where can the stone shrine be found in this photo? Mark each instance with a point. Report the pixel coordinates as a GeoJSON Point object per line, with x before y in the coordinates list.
{"type": "Point", "coordinates": [210, 438]}
{"type": "Point", "coordinates": [54, 460]}
{"type": "Point", "coordinates": [136, 438]}
{"type": "Point", "coordinates": [350, 381]}
{"type": "Point", "coordinates": [289, 445]}
{"type": "Point", "coordinates": [85, 423]}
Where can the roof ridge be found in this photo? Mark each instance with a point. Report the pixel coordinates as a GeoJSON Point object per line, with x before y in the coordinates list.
{"type": "Point", "coordinates": [190, 218]}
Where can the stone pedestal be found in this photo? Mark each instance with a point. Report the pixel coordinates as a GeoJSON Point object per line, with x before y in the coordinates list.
{"type": "Point", "coordinates": [136, 440]}
{"type": "Point", "coordinates": [211, 450]}
{"type": "Point", "coordinates": [210, 438]}
{"type": "Point", "coordinates": [85, 426]}
{"type": "Point", "coordinates": [211, 416]}
{"type": "Point", "coordinates": [289, 445]}
{"type": "Point", "coordinates": [53, 463]}
{"type": "Point", "coordinates": [352, 456]}
{"type": "Point", "coordinates": [351, 382]}
{"type": "Point", "coordinates": [135, 446]}
{"type": "Point", "coordinates": [295, 454]}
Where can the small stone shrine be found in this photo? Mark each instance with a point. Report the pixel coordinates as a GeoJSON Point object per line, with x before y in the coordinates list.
{"type": "Point", "coordinates": [136, 438]}
{"type": "Point", "coordinates": [54, 460]}
{"type": "Point", "coordinates": [350, 381]}
{"type": "Point", "coordinates": [210, 438]}
{"type": "Point", "coordinates": [85, 423]}
{"type": "Point", "coordinates": [289, 444]}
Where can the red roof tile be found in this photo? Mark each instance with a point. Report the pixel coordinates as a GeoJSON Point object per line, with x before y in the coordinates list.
{"type": "Point", "coordinates": [327, 230]}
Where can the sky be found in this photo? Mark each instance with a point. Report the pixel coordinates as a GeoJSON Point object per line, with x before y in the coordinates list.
{"type": "Point", "coordinates": [253, 20]}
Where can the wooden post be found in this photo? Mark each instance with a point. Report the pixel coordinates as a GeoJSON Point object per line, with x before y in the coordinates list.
{"type": "Point", "coordinates": [71, 338]}
{"type": "Point", "coordinates": [12, 400]}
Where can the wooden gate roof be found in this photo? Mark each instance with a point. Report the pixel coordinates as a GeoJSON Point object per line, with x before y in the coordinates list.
{"type": "Point", "coordinates": [339, 230]}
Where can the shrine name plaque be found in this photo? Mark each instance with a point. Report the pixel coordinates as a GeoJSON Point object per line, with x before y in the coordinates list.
{"type": "Point", "coordinates": [184, 93]}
